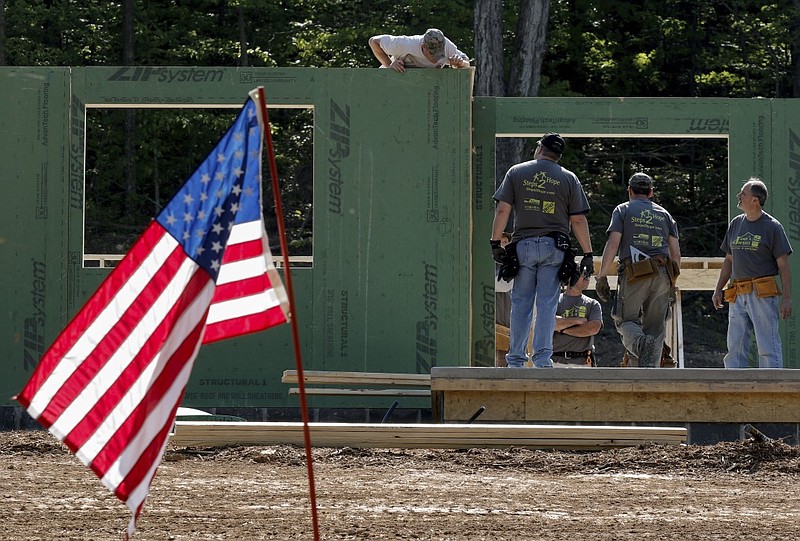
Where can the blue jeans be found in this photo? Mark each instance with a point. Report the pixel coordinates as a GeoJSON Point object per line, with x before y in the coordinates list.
{"type": "Point", "coordinates": [748, 315]}
{"type": "Point", "coordinates": [537, 282]}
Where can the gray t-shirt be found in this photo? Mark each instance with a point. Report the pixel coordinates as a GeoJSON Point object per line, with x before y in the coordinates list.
{"type": "Point", "coordinates": [544, 195]}
{"type": "Point", "coordinates": [580, 306]}
{"type": "Point", "coordinates": [755, 246]}
{"type": "Point", "coordinates": [645, 226]}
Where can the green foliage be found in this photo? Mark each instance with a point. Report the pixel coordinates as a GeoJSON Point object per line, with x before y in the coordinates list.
{"type": "Point", "coordinates": [672, 47]}
{"type": "Point", "coordinates": [689, 175]}
{"type": "Point", "coordinates": [737, 48]}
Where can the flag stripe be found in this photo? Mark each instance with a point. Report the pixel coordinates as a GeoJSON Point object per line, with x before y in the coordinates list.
{"type": "Point", "coordinates": [244, 288]}
{"type": "Point", "coordinates": [243, 306]}
{"type": "Point", "coordinates": [243, 250]}
{"type": "Point", "coordinates": [245, 231]}
{"type": "Point", "coordinates": [115, 350]}
{"type": "Point", "coordinates": [150, 241]}
{"type": "Point", "coordinates": [244, 325]}
{"type": "Point", "coordinates": [242, 270]}
{"type": "Point", "coordinates": [143, 366]}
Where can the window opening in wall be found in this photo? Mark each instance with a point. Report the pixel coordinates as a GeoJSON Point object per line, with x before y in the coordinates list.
{"type": "Point", "coordinates": [136, 159]}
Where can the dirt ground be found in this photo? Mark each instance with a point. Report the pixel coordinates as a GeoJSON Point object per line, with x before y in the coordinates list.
{"type": "Point", "coordinates": [742, 490]}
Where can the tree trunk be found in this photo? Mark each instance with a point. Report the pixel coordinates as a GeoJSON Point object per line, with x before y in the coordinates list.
{"type": "Point", "coordinates": [488, 27]}
{"type": "Point", "coordinates": [128, 7]}
{"type": "Point", "coordinates": [526, 63]}
{"type": "Point", "coordinates": [525, 76]}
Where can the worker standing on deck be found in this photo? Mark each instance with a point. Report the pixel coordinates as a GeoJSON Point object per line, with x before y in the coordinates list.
{"type": "Point", "coordinates": [756, 250]}
{"type": "Point", "coordinates": [547, 200]}
{"type": "Point", "coordinates": [645, 238]}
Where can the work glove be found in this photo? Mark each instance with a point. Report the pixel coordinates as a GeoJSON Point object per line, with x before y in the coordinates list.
{"type": "Point", "coordinates": [602, 288]}
{"type": "Point", "coordinates": [568, 272]}
{"type": "Point", "coordinates": [497, 251]}
{"type": "Point", "coordinates": [586, 267]}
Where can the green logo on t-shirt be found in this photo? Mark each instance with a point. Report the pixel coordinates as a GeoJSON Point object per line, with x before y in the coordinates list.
{"type": "Point", "coordinates": [748, 241]}
{"type": "Point", "coordinates": [576, 311]}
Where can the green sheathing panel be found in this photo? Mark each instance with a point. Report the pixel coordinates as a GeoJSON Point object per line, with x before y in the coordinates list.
{"type": "Point", "coordinates": [483, 188]}
{"type": "Point", "coordinates": [392, 253]}
{"type": "Point", "coordinates": [612, 117]}
{"type": "Point", "coordinates": [389, 286]}
{"type": "Point", "coordinates": [33, 265]}
{"type": "Point", "coordinates": [783, 181]}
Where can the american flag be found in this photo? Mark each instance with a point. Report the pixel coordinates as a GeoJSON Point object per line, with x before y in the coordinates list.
{"type": "Point", "coordinates": [202, 271]}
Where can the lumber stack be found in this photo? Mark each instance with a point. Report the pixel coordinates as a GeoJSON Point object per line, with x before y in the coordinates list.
{"type": "Point", "coordinates": [422, 436]}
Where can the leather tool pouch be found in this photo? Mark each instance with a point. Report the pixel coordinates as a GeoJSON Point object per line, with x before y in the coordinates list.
{"type": "Point", "coordinates": [562, 240]}
{"type": "Point", "coordinates": [643, 268]}
{"type": "Point", "coordinates": [673, 270]}
{"type": "Point", "coordinates": [729, 293]}
{"type": "Point", "coordinates": [766, 287]}
{"type": "Point", "coordinates": [640, 269]}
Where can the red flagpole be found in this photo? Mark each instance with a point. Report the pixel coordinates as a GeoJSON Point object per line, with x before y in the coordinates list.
{"type": "Point", "coordinates": [273, 171]}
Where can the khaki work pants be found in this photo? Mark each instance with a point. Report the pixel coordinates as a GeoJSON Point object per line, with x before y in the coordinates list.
{"type": "Point", "coordinates": [641, 309]}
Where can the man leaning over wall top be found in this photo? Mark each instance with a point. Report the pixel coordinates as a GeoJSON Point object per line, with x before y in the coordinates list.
{"type": "Point", "coordinates": [429, 50]}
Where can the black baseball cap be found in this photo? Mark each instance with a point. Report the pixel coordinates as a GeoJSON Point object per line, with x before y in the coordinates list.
{"type": "Point", "coordinates": [640, 180]}
{"type": "Point", "coordinates": [553, 141]}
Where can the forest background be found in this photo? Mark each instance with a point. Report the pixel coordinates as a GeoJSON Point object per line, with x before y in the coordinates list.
{"type": "Point", "coordinates": [600, 48]}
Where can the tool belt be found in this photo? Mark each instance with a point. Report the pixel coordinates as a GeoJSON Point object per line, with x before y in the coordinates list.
{"type": "Point", "coordinates": [576, 357]}
{"type": "Point", "coordinates": [764, 287]}
{"type": "Point", "coordinates": [637, 270]}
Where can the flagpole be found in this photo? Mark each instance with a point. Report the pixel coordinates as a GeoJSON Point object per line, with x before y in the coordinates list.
{"type": "Point", "coordinates": [273, 171]}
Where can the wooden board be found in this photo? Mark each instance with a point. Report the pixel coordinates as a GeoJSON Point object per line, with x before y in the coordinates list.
{"type": "Point", "coordinates": [322, 377]}
{"type": "Point", "coordinates": [617, 395]}
{"type": "Point", "coordinates": [512, 406]}
{"type": "Point", "coordinates": [330, 391]}
{"type": "Point", "coordinates": [431, 436]}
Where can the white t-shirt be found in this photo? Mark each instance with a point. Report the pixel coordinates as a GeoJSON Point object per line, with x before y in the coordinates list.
{"type": "Point", "coordinates": [409, 50]}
